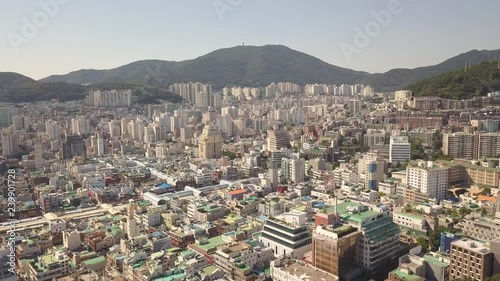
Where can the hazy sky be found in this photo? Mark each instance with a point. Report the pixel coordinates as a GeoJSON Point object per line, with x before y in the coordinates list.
{"type": "Point", "coordinates": [106, 34]}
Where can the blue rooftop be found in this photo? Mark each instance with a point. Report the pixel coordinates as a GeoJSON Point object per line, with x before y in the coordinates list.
{"type": "Point", "coordinates": [164, 185]}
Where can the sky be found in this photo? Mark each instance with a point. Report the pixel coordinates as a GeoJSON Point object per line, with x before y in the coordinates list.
{"type": "Point", "coordinates": [44, 37]}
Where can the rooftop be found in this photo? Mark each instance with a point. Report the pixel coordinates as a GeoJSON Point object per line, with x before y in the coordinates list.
{"type": "Point", "coordinates": [94, 261]}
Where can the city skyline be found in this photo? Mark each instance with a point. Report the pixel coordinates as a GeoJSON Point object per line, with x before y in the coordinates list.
{"type": "Point", "coordinates": [71, 35]}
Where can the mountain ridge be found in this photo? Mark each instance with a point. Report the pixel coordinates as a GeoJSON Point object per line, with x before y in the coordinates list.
{"type": "Point", "coordinates": [261, 65]}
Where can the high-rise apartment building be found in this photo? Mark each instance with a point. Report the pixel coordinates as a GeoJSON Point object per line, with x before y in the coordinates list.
{"type": "Point", "coordinates": [9, 144]}
{"type": "Point", "coordinates": [210, 143]}
{"type": "Point", "coordinates": [459, 145]}
{"type": "Point", "coordinates": [354, 106]}
{"type": "Point", "coordinates": [53, 129]}
{"type": "Point", "coordinates": [399, 149]}
{"type": "Point", "coordinates": [114, 129]}
{"type": "Point", "coordinates": [297, 170]}
{"type": "Point", "coordinates": [112, 98]}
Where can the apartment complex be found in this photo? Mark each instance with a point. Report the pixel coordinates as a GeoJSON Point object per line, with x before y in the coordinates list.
{"type": "Point", "coordinates": [471, 146]}
{"type": "Point", "coordinates": [112, 98]}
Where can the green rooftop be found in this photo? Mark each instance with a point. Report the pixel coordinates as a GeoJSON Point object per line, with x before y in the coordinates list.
{"type": "Point", "coordinates": [211, 243]}
{"type": "Point", "coordinates": [435, 261]}
{"type": "Point", "coordinates": [209, 270]}
{"type": "Point", "coordinates": [94, 261]}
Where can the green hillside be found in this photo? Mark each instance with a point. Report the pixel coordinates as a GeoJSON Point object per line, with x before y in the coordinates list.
{"type": "Point", "coordinates": [477, 81]}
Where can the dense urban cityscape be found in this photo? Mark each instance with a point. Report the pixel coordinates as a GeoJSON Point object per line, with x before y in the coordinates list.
{"type": "Point", "coordinates": [233, 140]}
{"type": "Point", "coordinates": [289, 182]}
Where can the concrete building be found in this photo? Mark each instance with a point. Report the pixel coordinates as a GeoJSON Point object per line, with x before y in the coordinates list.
{"type": "Point", "coordinates": [459, 145]}
{"type": "Point", "coordinates": [287, 234]}
{"type": "Point", "coordinates": [112, 98]}
{"type": "Point", "coordinates": [380, 239]}
{"type": "Point", "coordinates": [354, 106]}
{"type": "Point", "coordinates": [410, 222]}
{"type": "Point", "coordinates": [469, 259]}
{"type": "Point", "coordinates": [428, 178]}
{"type": "Point", "coordinates": [210, 143]}
{"type": "Point", "coordinates": [399, 149]}
{"type": "Point", "coordinates": [374, 137]}
{"type": "Point", "coordinates": [277, 140]}
{"type": "Point", "coordinates": [334, 248]}
{"type": "Point", "coordinates": [402, 95]}
{"type": "Point", "coordinates": [48, 267]}
{"type": "Point", "coordinates": [298, 170]}
{"type": "Point", "coordinates": [9, 144]}
{"type": "Point", "coordinates": [289, 269]}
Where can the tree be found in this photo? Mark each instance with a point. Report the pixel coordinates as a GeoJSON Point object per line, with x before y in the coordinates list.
{"type": "Point", "coordinates": [408, 208]}
{"type": "Point", "coordinates": [422, 241]}
{"type": "Point", "coordinates": [464, 211]}
{"type": "Point", "coordinates": [495, 277]}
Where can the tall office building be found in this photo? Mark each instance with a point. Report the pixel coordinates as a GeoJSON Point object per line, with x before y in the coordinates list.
{"type": "Point", "coordinates": [9, 144]}
{"type": "Point", "coordinates": [277, 140]}
{"type": "Point", "coordinates": [287, 234]}
{"type": "Point", "coordinates": [399, 149]}
{"type": "Point", "coordinates": [428, 178]}
{"type": "Point", "coordinates": [470, 259]}
{"type": "Point", "coordinates": [334, 248]}
{"type": "Point", "coordinates": [210, 143]}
